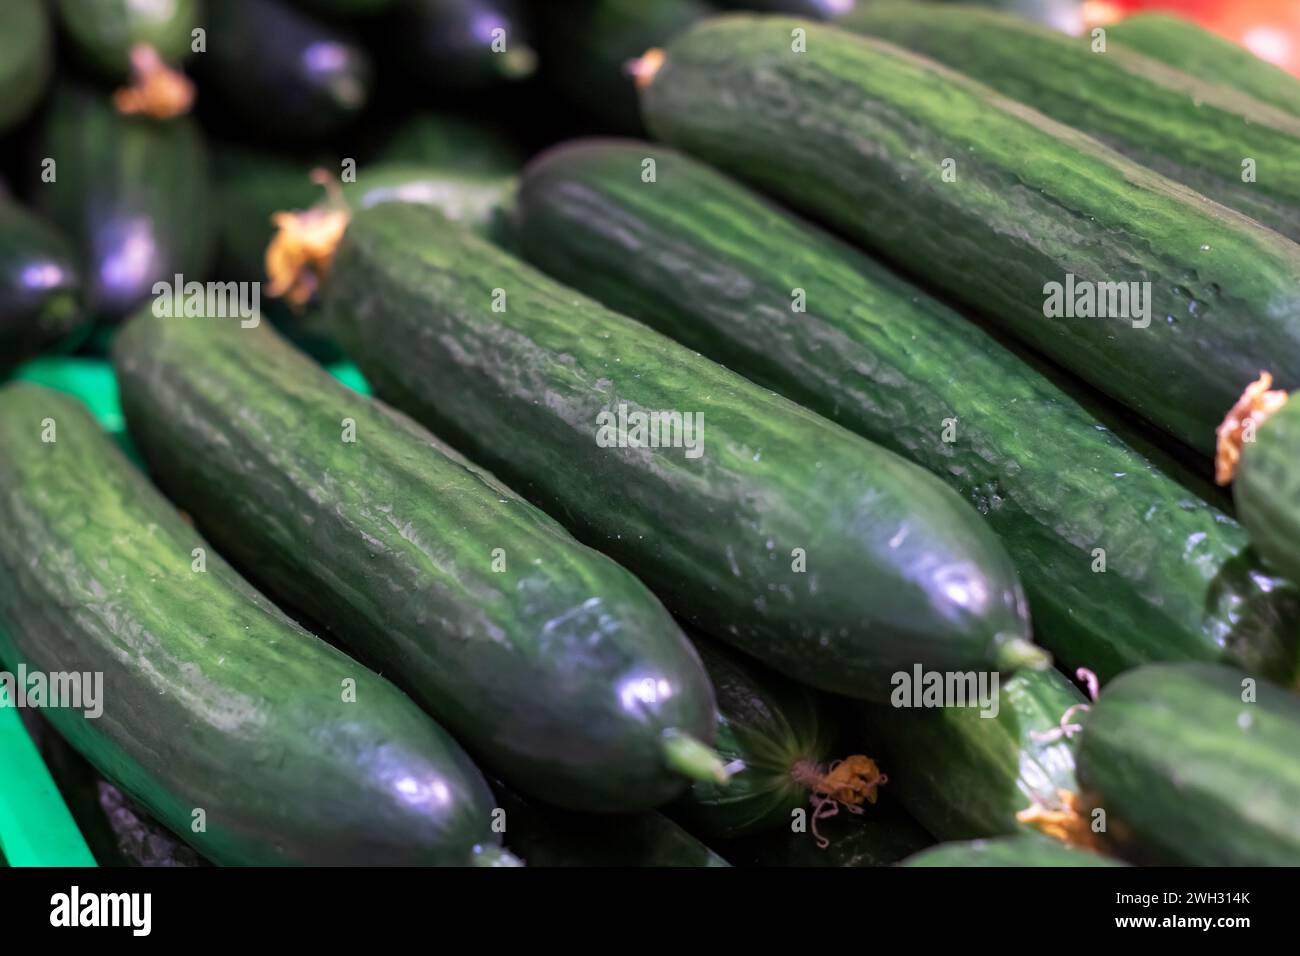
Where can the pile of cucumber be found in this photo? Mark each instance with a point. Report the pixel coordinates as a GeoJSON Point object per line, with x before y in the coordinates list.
{"type": "Point", "coordinates": [625, 434]}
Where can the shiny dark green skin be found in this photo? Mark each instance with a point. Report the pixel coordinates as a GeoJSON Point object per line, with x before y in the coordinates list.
{"type": "Point", "coordinates": [411, 300]}
{"type": "Point", "coordinates": [212, 697]}
{"type": "Point", "coordinates": [274, 68]}
{"type": "Point", "coordinates": [1008, 851]}
{"type": "Point", "coordinates": [1184, 45]}
{"type": "Point", "coordinates": [390, 543]}
{"type": "Point", "coordinates": [546, 837]}
{"type": "Point", "coordinates": [449, 142]}
{"type": "Point", "coordinates": [444, 45]}
{"type": "Point", "coordinates": [855, 131]}
{"type": "Point", "coordinates": [26, 58]}
{"type": "Point", "coordinates": [132, 194]}
{"type": "Point", "coordinates": [962, 775]}
{"type": "Point", "coordinates": [40, 287]}
{"type": "Point", "coordinates": [1203, 131]}
{"type": "Point", "coordinates": [103, 31]}
{"type": "Point", "coordinates": [879, 836]}
{"type": "Point", "coordinates": [1189, 773]}
{"type": "Point", "coordinates": [772, 725]}
{"type": "Point", "coordinates": [881, 357]}
{"type": "Point", "coordinates": [1266, 490]}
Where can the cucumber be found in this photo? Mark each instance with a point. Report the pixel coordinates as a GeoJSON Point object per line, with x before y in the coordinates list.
{"type": "Point", "coordinates": [40, 287]}
{"type": "Point", "coordinates": [203, 676]}
{"type": "Point", "coordinates": [469, 198]}
{"type": "Point", "coordinates": [133, 194]}
{"type": "Point", "coordinates": [553, 664]}
{"type": "Point", "coordinates": [731, 90]}
{"type": "Point", "coordinates": [776, 734]}
{"type": "Point", "coordinates": [1064, 15]}
{"type": "Point", "coordinates": [449, 142]}
{"type": "Point", "coordinates": [819, 9]}
{"type": "Point", "coordinates": [545, 837]}
{"type": "Point", "coordinates": [879, 356]}
{"type": "Point", "coordinates": [1184, 45]}
{"type": "Point", "coordinates": [882, 835]}
{"type": "Point", "coordinates": [1008, 851]}
{"type": "Point", "coordinates": [102, 32]}
{"type": "Point", "coordinates": [1196, 764]}
{"type": "Point", "coordinates": [962, 775]}
{"type": "Point", "coordinates": [837, 566]}
{"type": "Point", "coordinates": [458, 45]}
{"type": "Point", "coordinates": [586, 47]}
{"type": "Point", "coordinates": [280, 72]}
{"type": "Point", "coordinates": [1263, 459]}
{"type": "Point", "coordinates": [1205, 129]}
{"type": "Point", "coordinates": [26, 58]}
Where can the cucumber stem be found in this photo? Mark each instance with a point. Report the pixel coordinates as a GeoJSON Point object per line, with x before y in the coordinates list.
{"type": "Point", "coordinates": [1017, 653]}
{"type": "Point", "coordinates": [493, 855]}
{"type": "Point", "coordinates": [693, 759]}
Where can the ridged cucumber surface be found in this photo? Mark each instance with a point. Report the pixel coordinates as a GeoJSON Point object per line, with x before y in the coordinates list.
{"type": "Point", "coordinates": [858, 132]}
{"type": "Point", "coordinates": [1196, 764]}
{"type": "Point", "coordinates": [705, 260]}
{"type": "Point", "coordinates": [830, 558]}
{"type": "Point", "coordinates": [554, 665]}
{"type": "Point", "coordinates": [213, 700]}
{"type": "Point", "coordinates": [1016, 851]}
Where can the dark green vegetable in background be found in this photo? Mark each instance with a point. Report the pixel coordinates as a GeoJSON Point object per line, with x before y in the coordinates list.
{"type": "Point", "coordinates": [733, 92]}
{"type": "Point", "coordinates": [882, 834]}
{"type": "Point", "coordinates": [26, 55]}
{"type": "Point", "coordinates": [819, 9]}
{"type": "Point", "coordinates": [277, 71]}
{"type": "Point", "coordinates": [1008, 851]}
{"type": "Point", "coordinates": [96, 571]}
{"type": "Point", "coordinates": [40, 287]}
{"type": "Point", "coordinates": [1196, 765]}
{"type": "Point", "coordinates": [709, 262]}
{"type": "Point", "coordinates": [103, 31]}
{"type": "Point", "coordinates": [895, 568]}
{"type": "Point", "coordinates": [1264, 487]}
{"type": "Point", "coordinates": [554, 665]}
{"type": "Point", "coordinates": [1204, 130]}
{"type": "Point", "coordinates": [438, 139]}
{"type": "Point", "coordinates": [132, 194]}
{"type": "Point", "coordinates": [447, 45]}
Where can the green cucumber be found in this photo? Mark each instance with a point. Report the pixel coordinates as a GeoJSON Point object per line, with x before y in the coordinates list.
{"type": "Point", "coordinates": [829, 558]}
{"type": "Point", "coordinates": [277, 70]}
{"type": "Point", "coordinates": [133, 195]}
{"type": "Point", "coordinates": [212, 698]}
{"type": "Point", "coordinates": [879, 836]}
{"type": "Point", "coordinates": [553, 664]}
{"type": "Point", "coordinates": [818, 9]}
{"type": "Point", "coordinates": [469, 198]}
{"type": "Point", "coordinates": [776, 735]}
{"type": "Point", "coordinates": [449, 142]}
{"type": "Point", "coordinates": [963, 775]}
{"type": "Point", "coordinates": [1186, 46]}
{"type": "Point", "coordinates": [40, 287]}
{"type": "Point", "coordinates": [1264, 488]}
{"type": "Point", "coordinates": [587, 45]}
{"type": "Point", "coordinates": [103, 31]}
{"type": "Point", "coordinates": [546, 837]}
{"type": "Point", "coordinates": [1204, 130]}
{"type": "Point", "coordinates": [1195, 764]}
{"type": "Point", "coordinates": [26, 58]}
{"type": "Point", "coordinates": [879, 356]}
{"type": "Point", "coordinates": [1008, 851]}
{"type": "Point", "coordinates": [1064, 15]}
{"type": "Point", "coordinates": [1033, 203]}
{"type": "Point", "coordinates": [443, 45]}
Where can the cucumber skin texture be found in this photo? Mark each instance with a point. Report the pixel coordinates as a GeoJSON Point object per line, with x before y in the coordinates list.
{"type": "Point", "coordinates": [1188, 774]}
{"type": "Point", "coordinates": [1266, 493]}
{"type": "Point", "coordinates": [519, 391]}
{"type": "Point", "coordinates": [1008, 851]}
{"type": "Point", "coordinates": [1204, 128]}
{"type": "Point", "coordinates": [275, 68]}
{"type": "Point", "coordinates": [880, 357]}
{"type": "Point", "coordinates": [880, 836]}
{"type": "Point", "coordinates": [26, 58]}
{"type": "Point", "coordinates": [546, 837]}
{"type": "Point", "coordinates": [95, 571]}
{"type": "Point", "coordinates": [35, 314]}
{"type": "Point", "coordinates": [771, 724]}
{"type": "Point", "coordinates": [1033, 201]}
{"type": "Point", "coordinates": [1185, 46]}
{"type": "Point", "coordinates": [962, 775]}
{"type": "Point", "coordinates": [534, 669]}
{"type": "Point", "coordinates": [103, 31]}
{"type": "Point", "coordinates": [126, 183]}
